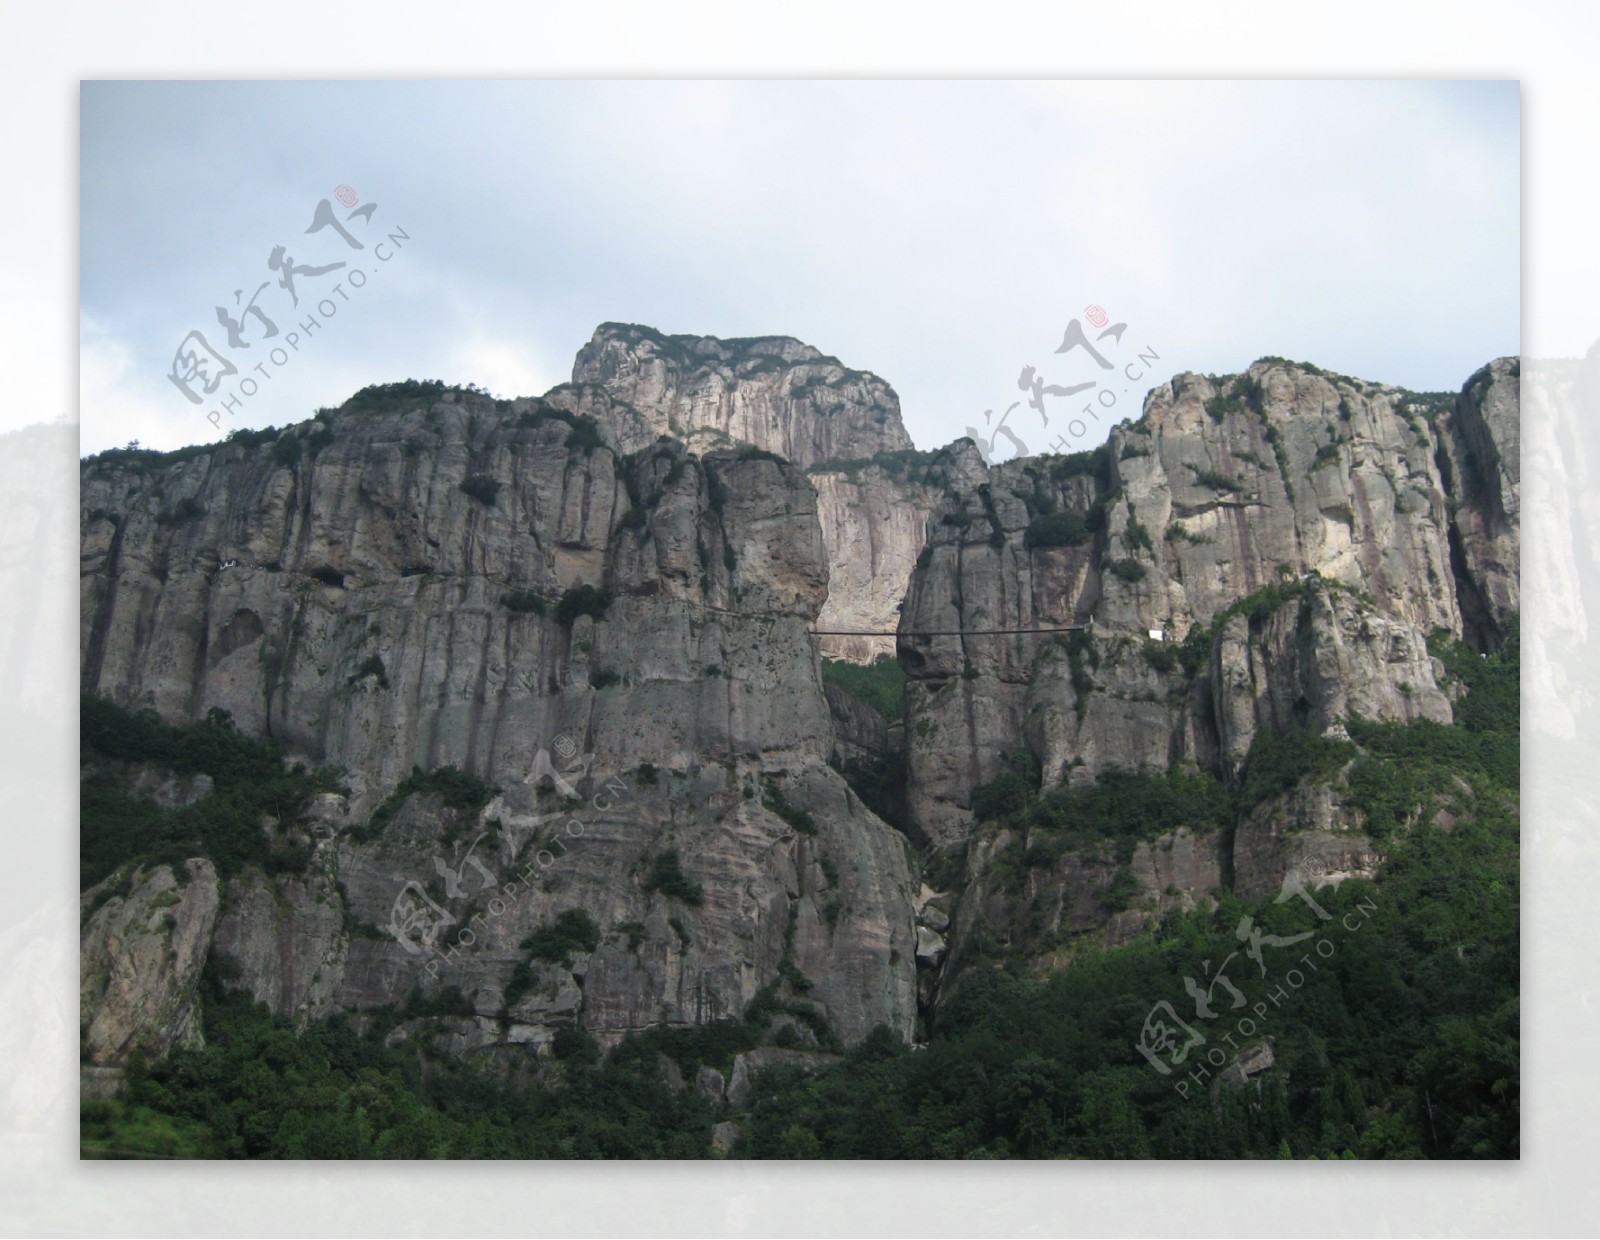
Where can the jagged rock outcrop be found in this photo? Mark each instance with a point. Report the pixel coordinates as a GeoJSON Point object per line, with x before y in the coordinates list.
{"type": "Point", "coordinates": [144, 944]}
{"type": "Point", "coordinates": [1283, 479]}
{"type": "Point", "coordinates": [860, 734]}
{"type": "Point", "coordinates": [772, 392]}
{"type": "Point", "coordinates": [397, 602]}
{"type": "Point", "coordinates": [1482, 458]}
{"type": "Point", "coordinates": [559, 598]}
{"type": "Point", "coordinates": [1311, 832]}
{"type": "Point", "coordinates": [1085, 894]}
{"type": "Point", "coordinates": [778, 395]}
{"type": "Point", "coordinates": [874, 524]}
{"type": "Point", "coordinates": [1316, 661]}
{"type": "Point", "coordinates": [746, 1066]}
{"type": "Point", "coordinates": [285, 940]}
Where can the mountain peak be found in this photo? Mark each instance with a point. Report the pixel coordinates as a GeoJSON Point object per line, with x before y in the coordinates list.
{"type": "Point", "coordinates": [771, 392]}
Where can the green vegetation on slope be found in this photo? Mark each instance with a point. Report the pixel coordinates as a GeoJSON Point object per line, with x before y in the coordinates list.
{"type": "Point", "coordinates": [249, 782]}
{"type": "Point", "coordinates": [880, 684]}
{"type": "Point", "coordinates": [1403, 1042]}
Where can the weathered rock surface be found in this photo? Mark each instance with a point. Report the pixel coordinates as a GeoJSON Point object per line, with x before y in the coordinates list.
{"type": "Point", "coordinates": [1316, 661]}
{"type": "Point", "coordinates": [1282, 477]}
{"type": "Point", "coordinates": [778, 395]}
{"type": "Point", "coordinates": [285, 937]}
{"type": "Point", "coordinates": [1246, 1067]}
{"type": "Point", "coordinates": [860, 734]}
{"type": "Point", "coordinates": [1310, 835]}
{"type": "Point", "coordinates": [140, 961]}
{"type": "Point", "coordinates": [1258, 552]}
{"type": "Point", "coordinates": [874, 524]}
{"type": "Point", "coordinates": [772, 392]}
{"type": "Point", "coordinates": [365, 627]}
{"type": "Point", "coordinates": [1075, 898]}
{"type": "Point", "coordinates": [1483, 458]}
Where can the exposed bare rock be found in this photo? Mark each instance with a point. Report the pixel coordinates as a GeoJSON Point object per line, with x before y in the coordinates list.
{"type": "Point", "coordinates": [285, 937]}
{"type": "Point", "coordinates": [141, 957]}
{"type": "Point", "coordinates": [1283, 478]}
{"type": "Point", "coordinates": [1280, 466]}
{"type": "Point", "coordinates": [1258, 552]}
{"type": "Point", "coordinates": [1316, 661]}
{"type": "Point", "coordinates": [1482, 448]}
{"type": "Point", "coordinates": [1310, 836]}
{"type": "Point", "coordinates": [367, 626]}
{"type": "Point", "coordinates": [768, 391]}
{"type": "Point", "coordinates": [612, 630]}
{"type": "Point", "coordinates": [860, 734]}
{"type": "Point", "coordinates": [1084, 893]}
{"type": "Point", "coordinates": [777, 395]}
{"type": "Point", "coordinates": [874, 525]}
{"type": "Point", "coordinates": [709, 1084]}
{"type": "Point", "coordinates": [1247, 1065]}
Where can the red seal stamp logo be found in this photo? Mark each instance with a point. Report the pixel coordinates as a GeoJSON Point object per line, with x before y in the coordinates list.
{"type": "Point", "coordinates": [1094, 314]}
{"type": "Point", "coordinates": [346, 196]}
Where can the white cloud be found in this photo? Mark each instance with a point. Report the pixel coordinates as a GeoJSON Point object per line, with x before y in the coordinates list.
{"type": "Point", "coordinates": [121, 403]}
{"type": "Point", "coordinates": [938, 233]}
{"type": "Point", "coordinates": [504, 369]}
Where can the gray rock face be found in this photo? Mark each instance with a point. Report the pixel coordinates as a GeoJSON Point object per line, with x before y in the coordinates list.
{"type": "Point", "coordinates": [286, 938]}
{"type": "Point", "coordinates": [401, 598]}
{"type": "Point", "coordinates": [1073, 898]}
{"type": "Point", "coordinates": [1482, 450]}
{"type": "Point", "coordinates": [1246, 1067]}
{"type": "Point", "coordinates": [1257, 553]}
{"type": "Point", "coordinates": [860, 734]}
{"type": "Point", "coordinates": [140, 961]}
{"type": "Point", "coordinates": [365, 557]}
{"type": "Point", "coordinates": [778, 395]}
{"type": "Point", "coordinates": [874, 526]}
{"type": "Point", "coordinates": [769, 391]}
{"type": "Point", "coordinates": [724, 1136]}
{"type": "Point", "coordinates": [365, 627]}
{"type": "Point", "coordinates": [1281, 477]}
{"type": "Point", "coordinates": [709, 1084]}
{"type": "Point", "coordinates": [1318, 660]}
{"type": "Point", "coordinates": [1310, 833]}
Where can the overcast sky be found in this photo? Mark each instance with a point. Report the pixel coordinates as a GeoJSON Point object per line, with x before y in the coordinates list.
{"type": "Point", "coordinates": [940, 234]}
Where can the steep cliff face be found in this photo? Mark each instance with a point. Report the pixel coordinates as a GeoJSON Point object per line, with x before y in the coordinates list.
{"type": "Point", "coordinates": [1481, 457]}
{"type": "Point", "coordinates": [874, 523]}
{"type": "Point", "coordinates": [1257, 549]}
{"type": "Point", "coordinates": [609, 633]}
{"type": "Point", "coordinates": [144, 943]}
{"type": "Point", "coordinates": [772, 392]}
{"type": "Point", "coordinates": [779, 395]}
{"type": "Point", "coordinates": [1261, 557]}
{"type": "Point", "coordinates": [404, 592]}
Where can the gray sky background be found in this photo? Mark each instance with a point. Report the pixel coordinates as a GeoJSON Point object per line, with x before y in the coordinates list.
{"type": "Point", "coordinates": [940, 234]}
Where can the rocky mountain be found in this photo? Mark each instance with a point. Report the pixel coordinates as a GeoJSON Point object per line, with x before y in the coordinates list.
{"type": "Point", "coordinates": [617, 643]}
{"type": "Point", "coordinates": [1257, 554]}
{"type": "Point", "coordinates": [771, 392]}
{"type": "Point", "coordinates": [581, 771]}
{"type": "Point", "coordinates": [874, 523]}
{"type": "Point", "coordinates": [779, 395]}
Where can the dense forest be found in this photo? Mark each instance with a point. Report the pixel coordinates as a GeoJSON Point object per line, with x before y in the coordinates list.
{"type": "Point", "coordinates": [1401, 1039]}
